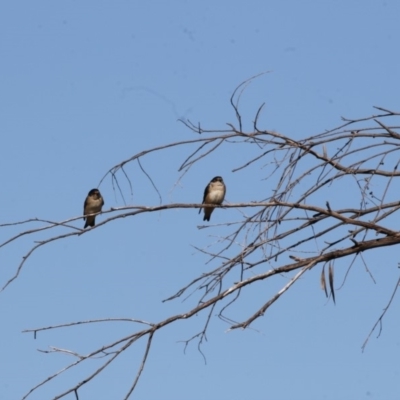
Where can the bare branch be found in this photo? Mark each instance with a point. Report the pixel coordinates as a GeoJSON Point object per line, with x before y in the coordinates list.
{"type": "Point", "coordinates": [379, 321]}
{"type": "Point", "coordinates": [328, 200]}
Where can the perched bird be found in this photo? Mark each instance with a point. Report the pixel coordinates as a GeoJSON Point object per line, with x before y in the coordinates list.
{"type": "Point", "coordinates": [214, 193]}
{"type": "Point", "coordinates": [93, 204]}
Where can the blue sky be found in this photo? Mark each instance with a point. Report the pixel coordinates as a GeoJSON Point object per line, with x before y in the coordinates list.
{"type": "Point", "coordinates": [85, 85]}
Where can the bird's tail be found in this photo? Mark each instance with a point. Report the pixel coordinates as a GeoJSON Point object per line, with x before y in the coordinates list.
{"type": "Point", "coordinates": [89, 222]}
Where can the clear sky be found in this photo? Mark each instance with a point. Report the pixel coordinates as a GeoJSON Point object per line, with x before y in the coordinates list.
{"type": "Point", "coordinates": [85, 85]}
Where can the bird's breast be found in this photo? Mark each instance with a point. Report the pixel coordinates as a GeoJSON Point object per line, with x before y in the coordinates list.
{"type": "Point", "coordinates": [94, 206]}
{"type": "Point", "coordinates": [216, 195]}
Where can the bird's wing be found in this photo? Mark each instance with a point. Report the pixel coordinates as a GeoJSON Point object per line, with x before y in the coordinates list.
{"type": "Point", "coordinates": [84, 206]}
{"type": "Point", "coordinates": [205, 195]}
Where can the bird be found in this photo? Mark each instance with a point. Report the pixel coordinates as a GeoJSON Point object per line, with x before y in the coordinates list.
{"type": "Point", "coordinates": [214, 193]}
{"type": "Point", "coordinates": [93, 204]}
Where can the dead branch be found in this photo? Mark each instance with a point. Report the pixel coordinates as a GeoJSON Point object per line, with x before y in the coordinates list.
{"type": "Point", "coordinates": [329, 200]}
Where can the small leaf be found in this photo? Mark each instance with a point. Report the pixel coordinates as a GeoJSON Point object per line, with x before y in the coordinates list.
{"type": "Point", "coordinates": [328, 206]}
{"type": "Point", "coordinates": [323, 282]}
{"type": "Point", "coordinates": [331, 275]}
